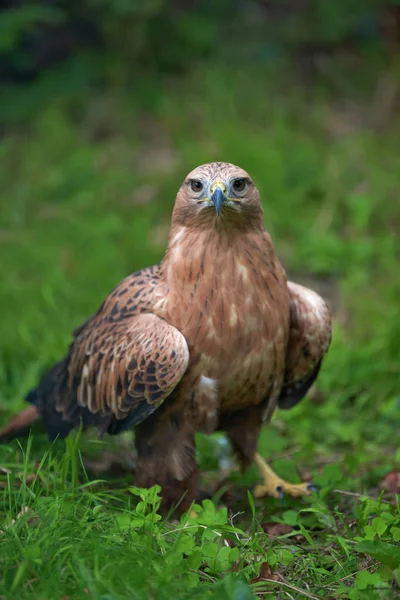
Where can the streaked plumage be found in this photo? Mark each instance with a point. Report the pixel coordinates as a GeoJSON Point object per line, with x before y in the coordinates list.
{"type": "Point", "coordinates": [212, 338]}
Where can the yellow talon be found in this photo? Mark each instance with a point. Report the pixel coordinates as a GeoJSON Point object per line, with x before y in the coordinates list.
{"type": "Point", "coordinates": [276, 487]}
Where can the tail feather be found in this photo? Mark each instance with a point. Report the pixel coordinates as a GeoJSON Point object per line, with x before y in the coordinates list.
{"type": "Point", "coordinates": [44, 397]}
{"type": "Point", "coordinates": [33, 397]}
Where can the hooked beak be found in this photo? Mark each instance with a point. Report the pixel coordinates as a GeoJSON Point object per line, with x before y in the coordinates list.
{"type": "Point", "coordinates": [218, 196]}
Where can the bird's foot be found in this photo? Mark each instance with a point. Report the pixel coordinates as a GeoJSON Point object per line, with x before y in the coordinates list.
{"type": "Point", "coordinates": [277, 487]}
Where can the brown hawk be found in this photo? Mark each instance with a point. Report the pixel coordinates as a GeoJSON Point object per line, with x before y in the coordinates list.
{"type": "Point", "coordinates": [213, 338]}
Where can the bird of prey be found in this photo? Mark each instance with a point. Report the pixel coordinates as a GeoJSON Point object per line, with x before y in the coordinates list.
{"type": "Point", "coordinates": [213, 338]}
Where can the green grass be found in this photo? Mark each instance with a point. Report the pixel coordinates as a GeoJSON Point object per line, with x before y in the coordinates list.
{"type": "Point", "coordinates": [86, 196]}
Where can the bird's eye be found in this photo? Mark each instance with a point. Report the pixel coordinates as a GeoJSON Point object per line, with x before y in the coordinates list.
{"type": "Point", "coordinates": [239, 185]}
{"type": "Point", "coordinates": [196, 185]}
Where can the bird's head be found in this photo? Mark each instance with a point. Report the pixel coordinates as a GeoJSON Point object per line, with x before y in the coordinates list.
{"type": "Point", "coordinates": [218, 192]}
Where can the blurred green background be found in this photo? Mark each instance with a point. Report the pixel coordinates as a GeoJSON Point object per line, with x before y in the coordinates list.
{"type": "Point", "coordinates": [105, 105]}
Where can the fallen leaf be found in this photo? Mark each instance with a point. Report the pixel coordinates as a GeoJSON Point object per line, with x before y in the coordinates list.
{"type": "Point", "coordinates": [391, 481]}
{"type": "Point", "coordinates": [20, 424]}
{"type": "Point", "coordinates": [265, 571]}
{"type": "Point", "coordinates": [30, 478]}
{"type": "Point", "coordinates": [276, 529]}
{"type": "Point", "coordinates": [256, 558]}
{"type": "Point", "coordinates": [266, 574]}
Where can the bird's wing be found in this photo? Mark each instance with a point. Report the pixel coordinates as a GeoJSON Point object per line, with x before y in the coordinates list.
{"type": "Point", "coordinates": [124, 369]}
{"type": "Point", "coordinates": [123, 362]}
{"type": "Point", "coordinates": [309, 339]}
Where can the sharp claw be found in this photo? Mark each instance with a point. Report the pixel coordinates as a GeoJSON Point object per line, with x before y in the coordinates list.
{"type": "Point", "coordinates": [312, 487]}
{"type": "Point", "coordinates": [279, 489]}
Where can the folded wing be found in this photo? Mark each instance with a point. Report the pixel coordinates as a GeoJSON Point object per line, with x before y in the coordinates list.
{"type": "Point", "coordinates": [125, 370]}
{"type": "Point", "coordinates": [123, 363]}
{"type": "Point", "coordinates": [309, 339]}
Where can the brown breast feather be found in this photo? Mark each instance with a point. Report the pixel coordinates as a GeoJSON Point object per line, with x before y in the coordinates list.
{"type": "Point", "coordinates": [229, 298]}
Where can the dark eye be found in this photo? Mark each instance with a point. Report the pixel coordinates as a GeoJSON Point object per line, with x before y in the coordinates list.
{"type": "Point", "coordinates": [196, 185]}
{"type": "Point", "coordinates": [239, 185]}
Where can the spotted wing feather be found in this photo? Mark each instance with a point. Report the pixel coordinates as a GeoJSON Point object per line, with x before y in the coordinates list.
{"type": "Point", "coordinates": [309, 339]}
{"type": "Point", "coordinates": [117, 369]}
{"type": "Point", "coordinates": [123, 362]}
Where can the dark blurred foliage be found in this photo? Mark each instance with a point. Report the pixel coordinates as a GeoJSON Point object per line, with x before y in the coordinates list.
{"type": "Point", "coordinates": [117, 39]}
{"type": "Point", "coordinates": [155, 34]}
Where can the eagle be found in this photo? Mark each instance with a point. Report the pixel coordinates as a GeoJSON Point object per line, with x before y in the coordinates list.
{"type": "Point", "coordinates": [213, 338]}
